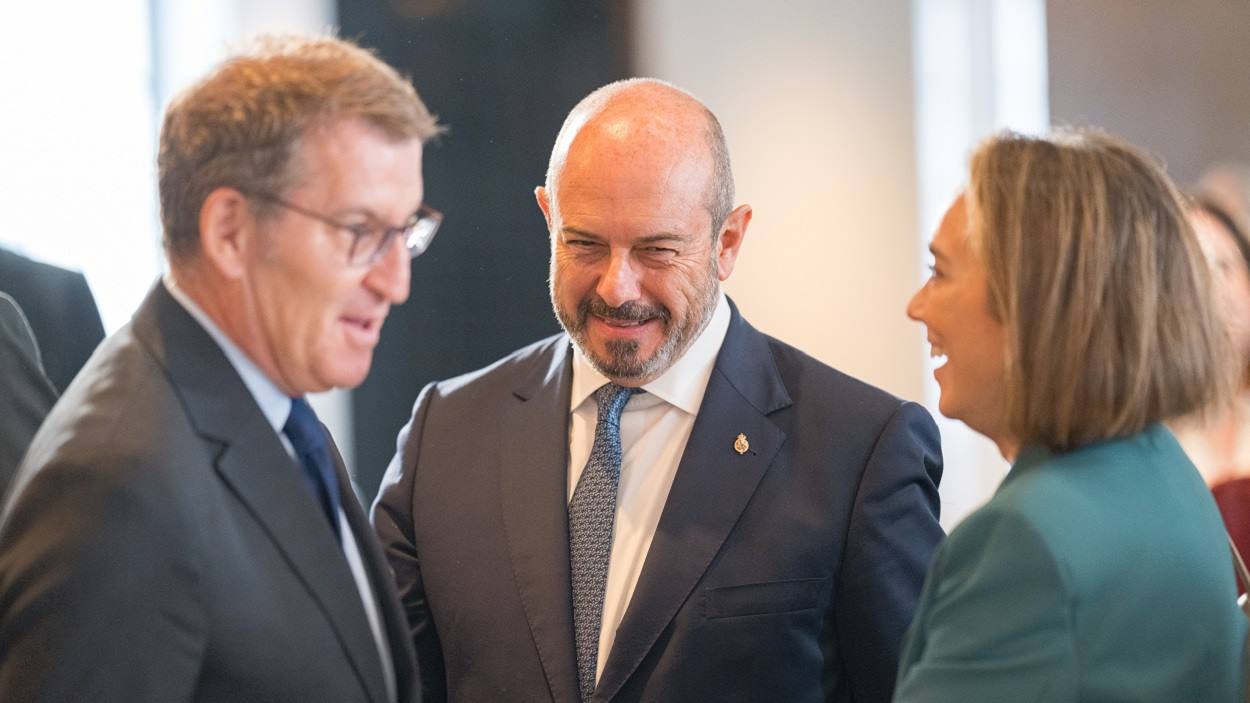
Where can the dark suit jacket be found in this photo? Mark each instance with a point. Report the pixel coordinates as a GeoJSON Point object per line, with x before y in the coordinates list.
{"type": "Point", "coordinates": [788, 573]}
{"type": "Point", "coordinates": [25, 393]}
{"type": "Point", "coordinates": [159, 544]}
{"type": "Point", "coordinates": [61, 312]}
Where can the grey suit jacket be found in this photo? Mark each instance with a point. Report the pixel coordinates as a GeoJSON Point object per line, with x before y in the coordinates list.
{"type": "Point", "coordinates": [159, 544]}
{"type": "Point", "coordinates": [787, 573]}
{"type": "Point", "coordinates": [61, 311]}
{"type": "Point", "coordinates": [26, 395]}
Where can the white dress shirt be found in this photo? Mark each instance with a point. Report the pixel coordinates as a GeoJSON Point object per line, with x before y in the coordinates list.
{"type": "Point", "coordinates": [276, 407]}
{"type": "Point", "coordinates": [654, 429]}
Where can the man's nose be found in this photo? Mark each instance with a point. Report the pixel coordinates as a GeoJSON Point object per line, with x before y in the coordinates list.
{"type": "Point", "coordinates": [620, 281]}
{"type": "Point", "coordinates": [391, 274]}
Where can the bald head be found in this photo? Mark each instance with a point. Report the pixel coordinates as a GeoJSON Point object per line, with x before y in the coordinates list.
{"type": "Point", "coordinates": [641, 116]}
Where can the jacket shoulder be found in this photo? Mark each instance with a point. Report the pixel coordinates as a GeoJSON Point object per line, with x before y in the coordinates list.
{"type": "Point", "coordinates": [531, 363]}
{"type": "Point", "coordinates": [812, 382]}
{"type": "Point", "coordinates": [122, 419]}
{"type": "Point", "coordinates": [36, 277]}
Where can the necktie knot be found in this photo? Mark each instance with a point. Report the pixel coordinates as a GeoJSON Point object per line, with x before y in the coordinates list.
{"type": "Point", "coordinates": [611, 400]}
{"type": "Point", "coordinates": [303, 428]}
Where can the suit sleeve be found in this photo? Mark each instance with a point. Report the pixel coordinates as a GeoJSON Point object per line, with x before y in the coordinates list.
{"type": "Point", "coordinates": [892, 535]}
{"type": "Point", "coordinates": [994, 621]}
{"type": "Point", "coordinates": [26, 395]}
{"type": "Point", "coordinates": [98, 588]}
{"type": "Point", "coordinates": [393, 521]}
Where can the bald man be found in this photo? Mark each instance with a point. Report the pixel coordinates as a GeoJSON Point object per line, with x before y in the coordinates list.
{"type": "Point", "coordinates": [662, 503]}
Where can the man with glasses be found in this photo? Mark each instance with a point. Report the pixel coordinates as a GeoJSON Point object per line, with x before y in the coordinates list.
{"type": "Point", "coordinates": [182, 527]}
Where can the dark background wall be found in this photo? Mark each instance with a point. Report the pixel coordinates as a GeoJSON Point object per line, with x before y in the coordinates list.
{"type": "Point", "coordinates": [1171, 76]}
{"type": "Point", "coordinates": [502, 74]}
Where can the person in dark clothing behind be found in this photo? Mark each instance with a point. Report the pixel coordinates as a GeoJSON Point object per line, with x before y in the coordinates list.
{"type": "Point", "coordinates": [26, 395]}
{"type": "Point", "coordinates": [61, 311]}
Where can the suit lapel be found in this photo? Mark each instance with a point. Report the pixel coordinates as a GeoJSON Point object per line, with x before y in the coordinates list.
{"type": "Point", "coordinates": [253, 463]}
{"type": "Point", "coordinates": [710, 490]}
{"type": "Point", "coordinates": [533, 470]}
{"type": "Point", "coordinates": [381, 581]}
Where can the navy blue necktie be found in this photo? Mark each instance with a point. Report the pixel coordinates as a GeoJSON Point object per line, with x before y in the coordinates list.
{"type": "Point", "coordinates": [312, 447]}
{"type": "Point", "coordinates": [592, 514]}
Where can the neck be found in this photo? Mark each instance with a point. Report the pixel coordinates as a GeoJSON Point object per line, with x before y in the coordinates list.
{"type": "Point", "coordinates": [1008, 448]}
{"type": "Point", "coordinates": [220, 299]}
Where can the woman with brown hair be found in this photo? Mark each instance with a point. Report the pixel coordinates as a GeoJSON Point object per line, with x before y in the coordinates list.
{"type": "Point", "coordinates": [1071, 302]}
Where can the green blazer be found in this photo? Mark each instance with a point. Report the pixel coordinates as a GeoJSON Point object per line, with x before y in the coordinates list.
{"type": "Point", "coordinates": [1101, 574]}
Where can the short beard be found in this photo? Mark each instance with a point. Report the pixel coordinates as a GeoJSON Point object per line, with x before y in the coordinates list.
{"type": "Point", "coordinates": [622, 361]}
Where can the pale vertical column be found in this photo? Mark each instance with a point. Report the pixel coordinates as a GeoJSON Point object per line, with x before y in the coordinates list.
{"type": "Point", "coordinates": [980, 67]}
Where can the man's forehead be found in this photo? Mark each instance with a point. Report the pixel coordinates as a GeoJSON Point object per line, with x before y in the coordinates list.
{"type": "Point", "coordinates": [625, 150]}
{"type": "Point", "coordinates": [353, 161]}
{"type": "Point", "coordinates": [665, 177]}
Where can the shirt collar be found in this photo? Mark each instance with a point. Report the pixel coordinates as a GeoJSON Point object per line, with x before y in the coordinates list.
{"type": "Point", "coordinates": [274, 404]}
{"type": "Point", "coordinates": [683, 384]}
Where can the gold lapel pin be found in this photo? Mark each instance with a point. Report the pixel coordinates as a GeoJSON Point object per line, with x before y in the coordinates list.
{"type": "Point", "coordinates": [741, 445]}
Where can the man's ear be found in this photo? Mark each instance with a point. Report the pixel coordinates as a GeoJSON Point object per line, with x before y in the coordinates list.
{"type": "Point", "coordinates": [227, 231]}
{"type": "Point", "coordinates": [544, 204]}
{"type": "Point", "coordinates": [731, 235]}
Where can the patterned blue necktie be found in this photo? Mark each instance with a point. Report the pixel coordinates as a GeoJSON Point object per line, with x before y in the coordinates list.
{"type": "Point", "coordinates": [592, 513]}
{"type": "Point", "coordinates": [308, 438]}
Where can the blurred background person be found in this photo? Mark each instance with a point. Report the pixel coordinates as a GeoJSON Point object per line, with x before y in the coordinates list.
{"type": "Point", "coordinates": [26, 395]}
{"type": "Point", "coordinates": [1071, 301]}
{"type": "Point", "coordinates": [1219, 443]}
{"type": "Point", "coordinates": [60, 309]}
{"type": "Point", "coordinates": [1226, 187]}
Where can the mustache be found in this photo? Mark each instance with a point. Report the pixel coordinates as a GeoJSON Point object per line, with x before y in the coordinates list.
{"type": "Point", "coordinates": [629, 312]}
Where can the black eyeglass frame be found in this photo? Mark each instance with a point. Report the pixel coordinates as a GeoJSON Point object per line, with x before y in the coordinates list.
{"type": "Point", "coordinates": [417, 232]}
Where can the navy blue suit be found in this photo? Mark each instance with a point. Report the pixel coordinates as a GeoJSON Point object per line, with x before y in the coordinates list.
{"type": "Point", "coordinates": [788, 573]}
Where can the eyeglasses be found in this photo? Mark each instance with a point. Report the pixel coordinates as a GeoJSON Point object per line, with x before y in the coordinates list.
{"type": "Point", "coordinates": [370, 241]}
